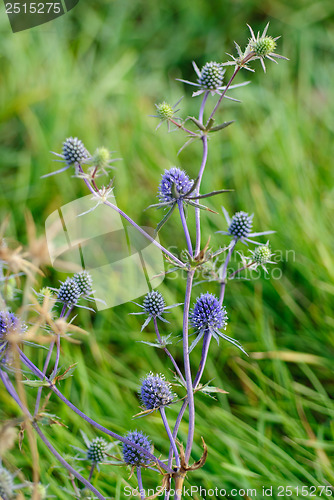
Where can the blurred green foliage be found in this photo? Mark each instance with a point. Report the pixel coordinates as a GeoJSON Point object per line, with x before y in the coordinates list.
{"type": "Point", "coordinates": [96, 74]}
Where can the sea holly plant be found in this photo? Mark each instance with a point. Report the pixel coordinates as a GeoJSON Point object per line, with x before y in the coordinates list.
{"type": "Point", "coordinates": [204, 314]}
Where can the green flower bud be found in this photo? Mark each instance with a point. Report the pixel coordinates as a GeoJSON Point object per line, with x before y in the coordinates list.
{"type": "Point", "coordinates": [262, 254]}
{"type": "Point", "coordinates": [101, 158]}
{"type": "Point", "coordinates": [263, 47]}
{"type": "Point", "coordinates": [165, 111]}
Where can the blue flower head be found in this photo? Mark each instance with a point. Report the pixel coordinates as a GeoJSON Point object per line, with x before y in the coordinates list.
{"type": "Point", "coordinates": [153, 306]}
{"type": "Point", "coordinates": [240, 227]}
{"type": "Point", "coordinates": [131, 455]}
{"type": "Point", "coordinates": [175, 183]}
{"type": "Point", "coordinates": [207, 317]}
{"type": "Point", "coordinates": [84, 282]}
{"type": "Point", "coordinates": [69, 292]}
{"type": "Point", "coordinates": [155, 391]}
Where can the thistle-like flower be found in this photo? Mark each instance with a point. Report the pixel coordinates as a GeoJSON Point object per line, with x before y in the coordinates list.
{"type": "Point", "coordinates": [174, 185]}
{"type": "Point", "coordinates": [261, 256]}
{"type": "Point", "coordinates": [84, 282]}
{"type": "Point", "coordinates": [155, 391]}
{"type": "Point", "coordinates": [166, 113]}
{"type": "Point", "coordinates": [10, 325]}
{"type": "Point", "coordinates": [240, 227]}
{"type": "Point", "coordinates": [74, 153]}
{"type": "Point", "coordinates": [259, 47]}
{"type": "Point", "coordinates": [154, 306]}
{"type": "Point", "coordinates": [208, 317]}
{"type": "Point", "coordinates": [97, 450]}
{"type": "Point", "coordinates": [210, 79]}
{"type": "Point", "coordinates": [69, 292]}
{"type": "Point", "coordinates": [132, 456]}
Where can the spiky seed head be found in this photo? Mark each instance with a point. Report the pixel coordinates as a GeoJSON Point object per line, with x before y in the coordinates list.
{"type": "Point", "coordinates": [101, 158]}
{"type": "Point", "coordinates": [154, 303]}
{"type": "Point", "coordinates": [207, 314]}
{"type": "Point", "coordinates": [155, 391]}
{"type": "Point", "coordinates": [69, 292]}
{"type": "Point", "coordinates": [164, 110]}
{"type": "Point", "coordinates": [132, 456]}
{"type": "Point", "coordinates": [87, 494]}
{"type": "Point", "coordinates": [6, 484]}
{"type": "Point", "coordinates": [212, 76]}
{"type": "Point", "coordinates": [74, 151]}
{"type": "Point", "coordinates": [174, 184]}
{"type": "Point", "coordinates": [241, 225]}
{"type": "Point", "coordinates": [97, 450]}
{"type": "Point", "coordinates": [8, 322]}
{"type": "Point", "coordinates": [262, 47]}
{"type": "Point", "coordinates": [84, 282]}
{"type": "Point", "coordinates": [261, 254]}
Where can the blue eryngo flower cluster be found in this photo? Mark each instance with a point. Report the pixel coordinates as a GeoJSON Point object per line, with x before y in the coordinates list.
{"type": "Point", "coordinates": [155, 392]}
{"type": "Point", "coordinates": [175, 184]}
{"type": "Point", "coordinates": [204, 315]}
{"type": "Point", "coordinates": [133, 456]}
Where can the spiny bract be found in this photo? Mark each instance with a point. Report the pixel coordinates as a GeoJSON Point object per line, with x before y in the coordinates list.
{"type": "Point", "coordinates": [155, 391]}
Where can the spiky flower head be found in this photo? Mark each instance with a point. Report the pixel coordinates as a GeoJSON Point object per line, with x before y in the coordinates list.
{"type": "Point", "coordinates": [131, 455]}
{"type": "Point", "coordinates": [207, 314]}
{"type": "Point", "coordinates": [154, 303]}
{"type": "Point", "coordinates": [97, 450]}
{"type": "Point", "coordinates": [8, 323]}
{"type": "Point", "coordinates": [164, 110]}
{"type": "Point", "coordinates": [241, 225]}
{"type": "Point", "coordinates": [101, 158]}
{"type": "Point", "coordinates": [74, 151]}
{"type": "Point", "coordinates": [6, 484]}
{"type": "Point", "coordinates": [155, 391]}
{"type": "Point", "coordinates": [212, 76]}
{"type": "Point", "coordinates": [262, 254]}
{"type": "Point", "coordinates": [84, 282]}
{"type": "Point", "coordinates": [69, 292]}
{"type": "Point", "coordinates": [175, 183]}
{"type": "Point", "coordinates": [263, 46]}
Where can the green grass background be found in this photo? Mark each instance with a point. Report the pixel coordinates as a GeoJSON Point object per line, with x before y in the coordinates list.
{"type": "Point", "coordinates": [96, 74]}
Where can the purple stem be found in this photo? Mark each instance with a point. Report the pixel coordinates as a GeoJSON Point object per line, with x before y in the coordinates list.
{"type": "Point", "coordinates": [46, 364]}
{"type": "Point", "coordinates": [185, 227]}
{"type": "Point", "coordinates": [200, 175]}
{"type": "Point", "coordinates": [170, 436]}
{"type": "Point", "coordinates": [197, 210]}
{"type": "Point", "coordinates": [41, 376]}
{"type": "Point", "coordinates": [187, 369]}
{"type": "Point", "coordinates": [65, 464]}
{"type": "Point", "coordinates": [167, 351]}
{"type": "Point", "coordinates": [91, 471]}
{"type": "Point", "coordinates": [223, 284]}
{"type": "Point", "coordinates": [10, 388]}
{"type": "Point", "coordinates": [236, 71]}
{"type": "Point", "coordinates": [140, 484]}
{"type": "Point", "coordinates": [133, 223]}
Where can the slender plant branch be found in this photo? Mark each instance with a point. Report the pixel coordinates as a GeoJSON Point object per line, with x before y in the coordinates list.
{"type": "Point", "coordinates": [170, 436]}
{"type": "Point", "coordinates": [140, 484]}
{"type": "Point", "coordinates": [185, 226]}
{"type": "Point", "coordinates": [223, 283]}
{"type": "Point", "coordinates": [167, 351]}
